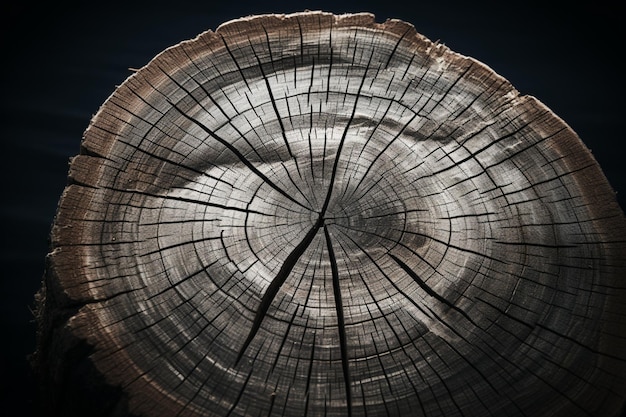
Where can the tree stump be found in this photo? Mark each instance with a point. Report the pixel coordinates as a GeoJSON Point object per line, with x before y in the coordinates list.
{"type": "Point", "coordinates": [320, 215]}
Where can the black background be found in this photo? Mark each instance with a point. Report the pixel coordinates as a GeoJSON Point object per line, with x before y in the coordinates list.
{"type": "Point", "coordinates": [60, 62]}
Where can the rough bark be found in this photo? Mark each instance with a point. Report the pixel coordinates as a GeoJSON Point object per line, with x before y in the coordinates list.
{"type": "Point", "coordinates": [323, 215]}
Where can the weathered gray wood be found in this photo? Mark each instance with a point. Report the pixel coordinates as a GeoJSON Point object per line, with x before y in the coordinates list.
{"type": "Point", "coordinates": [322, 215]}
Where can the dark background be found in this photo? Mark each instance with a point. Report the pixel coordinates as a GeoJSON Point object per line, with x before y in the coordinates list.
{"type": "Point", "coordinates": [60, 62]}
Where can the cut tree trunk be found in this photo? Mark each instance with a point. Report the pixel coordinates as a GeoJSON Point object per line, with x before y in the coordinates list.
{"type": "Point", "coordinates": [327, 216]}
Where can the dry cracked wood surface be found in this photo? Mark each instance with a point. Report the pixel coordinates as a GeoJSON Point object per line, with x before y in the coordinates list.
{"type": "Point", "coordinates": [322, 215]}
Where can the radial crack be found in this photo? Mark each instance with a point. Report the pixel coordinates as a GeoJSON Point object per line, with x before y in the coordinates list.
{"type": "Point", "coordinates": [342, 141]}
{"type": "Point", "coordinates": [341, 323]}
{"type": "Point", "coordinates": [278, 281]}
{"type": "Point", "coordinates": [426, 288]}
{"type": "Point", "coordinates": [238, 154]}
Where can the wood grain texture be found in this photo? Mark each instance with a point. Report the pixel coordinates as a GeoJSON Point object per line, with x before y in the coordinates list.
{"type": "Point", "coordinates": [319, 215]}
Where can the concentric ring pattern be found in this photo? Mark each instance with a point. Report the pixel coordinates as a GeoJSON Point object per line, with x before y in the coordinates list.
{"type": "Point", "coordinates": [323, 215]}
